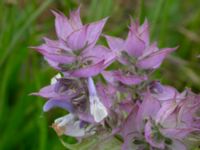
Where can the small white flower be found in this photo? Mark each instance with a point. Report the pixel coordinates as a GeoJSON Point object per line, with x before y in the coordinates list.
{"type": "Point", "coordinates": [68, 125]}
{"type": "Point", "coordinates": [97, 109]}
{"type": "Point", "coordinates": [54, 79]}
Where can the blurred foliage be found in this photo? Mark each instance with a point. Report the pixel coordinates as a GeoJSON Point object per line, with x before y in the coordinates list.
{"type": "Point", "coordinates": [23, 125]}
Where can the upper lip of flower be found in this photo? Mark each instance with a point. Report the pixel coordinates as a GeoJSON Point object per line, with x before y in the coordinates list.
{"type": "Point", "coordinates": [97, 109]}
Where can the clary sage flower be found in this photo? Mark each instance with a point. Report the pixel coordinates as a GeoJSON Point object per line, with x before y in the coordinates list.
{"type": "Point", "coordinates": [120, 107]}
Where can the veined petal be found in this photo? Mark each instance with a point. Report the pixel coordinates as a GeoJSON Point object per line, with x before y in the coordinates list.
{"type": "Point", "coordinates": [107, 94]}
{"type": "Point", "coordinates": [177, 133]}
{"type": "Point", "coordinates": [144, 32]}
{"type": "Point", "coordinates": [115, 43]}
{"type": "Point", "coordinates": [148, 109]}
{"type": "Point", "coordinates": [168, 93]}
{"type": "Point", "coordinates": [53, 54]}
{"type": "Point", "coordinates": [129, 79]}
{"type": "Point", "coordinates": [46, 92]}
{"type": "Point", "coordinates": [52, 63]}
{"type": "Point", "coordinates": [113, 76]}
{"type": "Point", "coordinates": [75, 19]}
{"type": "Point", "coordinates": [77, 40]}
{"type": "Point", "coordinates": [134, 45]}
{"type": "Point", "coordinates": [60, 44]}
{"type": "Point", "coordinates": [97, 53]}
{"type": "Point", "coordinates": [89, 71]}
{"type": "Point", "coordinates": [149, 50]}
{"type": "Point", "coordinates": [94, 30]}
{"type": "Point", "coordinates": [62, 25]}
{"type": "Point", "coordinates": [167, 108]}
{"type": "Point", "coordinates": [154, 60]}
{"type": "Point", "coordinates": [128, 130]}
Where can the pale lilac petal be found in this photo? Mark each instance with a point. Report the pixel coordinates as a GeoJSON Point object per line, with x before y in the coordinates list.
{"type": "Point", "coordinates": [89, 71]}
{"type": "Point", "coordinates": [134, 25]}
{"type": "Point", "coordinates": [94, 30]}
{"type": "Point", "coordinates": [113, 76]}
{"type": "Point", "coordinates": [47, 92]}
{"type": "Point", "coordinates": [75, 19]}
{"type": "Point", "coordinates": [134, 45]}
{"type": "Point", "coordinates": [177, 133]}
{"type": "Point", "coordinates": [107, 94]}
{"type": "Point", "coordinates": [63, 27]}
{"type": "Point", "coordinates": [144, 32]}
{"type": "Point", "coordinates": [154, 60]}
{"type": "Point", "coordinates": [52, 63]}
{"type": "Point", "coordinates": [54, 54]}
{"type": "Point", "coordinates": [150, 49]}
{"type": "Point", "coordinates": [57, 44]}
{"type": "Point", "coordinates": [148, 108]}
{"type": "Point", "coordinates": [77, 40]}
{"type": "Point", "coordinates": [97, 53]}
{"type": "Point", "coordinates": [168, 93]}
{"type": "Point", "coordinates": [129, 79]}
{"type": "Point", "coordinates": [117, 46]}
{"type": "Point", "coordinates": [115, 43]}
{"type": "Point", "coordinates": [167, 108]}
{"type": "Point", "coordinates": [128, 130]}
{"type": "Point", "coordinates": [58, 103]}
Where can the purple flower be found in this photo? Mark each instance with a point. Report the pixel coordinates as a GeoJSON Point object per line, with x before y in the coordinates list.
{"type": "Point", "coordinates": [125, 103]}
{"type": "Point", "coordinates": [75, 52]}
{"type": "Point", "coordinates": [136, 49]}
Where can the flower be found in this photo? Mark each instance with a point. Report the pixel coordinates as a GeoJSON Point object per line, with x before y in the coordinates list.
{"type": "Point", "coordinates": [161, 123]}
{"type": "Point", "coordinates": [136, 49]}
{"type": "Point", "coordinates": [124, 105]}
{"type": "Point", "coordinates": [97, 109]}
{"type": "Point", "coordinates": [75, 52]}
{"type": "Point", "coordinates": [70, 126]}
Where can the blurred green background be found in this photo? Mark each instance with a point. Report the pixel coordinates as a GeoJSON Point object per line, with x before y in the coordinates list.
{"type": "Point", "coordinates": [23, 23]}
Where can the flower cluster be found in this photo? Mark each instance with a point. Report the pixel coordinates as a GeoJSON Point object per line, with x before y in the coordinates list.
{"type": "Point", "coordinates": [123, 103]}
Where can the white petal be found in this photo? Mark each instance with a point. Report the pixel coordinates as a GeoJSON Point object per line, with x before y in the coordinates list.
{"type": "Point", "coordinates": [62, 121]}
{"type": "Point", "coordinates": [75, 130]}
{"type": "Point", "coordinates": [98, 110]}
{"type": "Point", "coordinates": [69, 126]}
{"type": "Point", "coordinates": [54, 79]}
